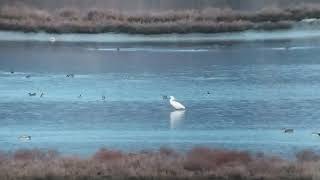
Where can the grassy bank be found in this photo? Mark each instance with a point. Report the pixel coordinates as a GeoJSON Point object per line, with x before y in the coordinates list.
{"type": "Point", "coordinates": [198, 163]}
{"type": "Point", "coordinates": [211, 20]}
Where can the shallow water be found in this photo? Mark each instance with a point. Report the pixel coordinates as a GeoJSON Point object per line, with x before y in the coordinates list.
{"type": "Point", "coordinates": [256, 88]}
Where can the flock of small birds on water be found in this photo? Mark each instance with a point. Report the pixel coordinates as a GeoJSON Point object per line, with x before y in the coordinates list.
{"type": "Point", "coordinates": [103, 98]}
{"type": "Point", "coordinates": [33, 94]}
{"type": "Point", "coordinates": [289, 130]}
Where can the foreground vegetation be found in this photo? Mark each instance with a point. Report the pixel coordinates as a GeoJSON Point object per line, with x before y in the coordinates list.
{"type": "Point", "coordinates": [211, 20]}
{"type": "Point", "coordinates": [198, 163]}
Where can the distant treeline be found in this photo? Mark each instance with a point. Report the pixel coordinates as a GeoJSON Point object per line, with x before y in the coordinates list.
{"type": "Point", "coordinates": [197, 164]}
{"type": "Point", "coordinates": [100, 20]}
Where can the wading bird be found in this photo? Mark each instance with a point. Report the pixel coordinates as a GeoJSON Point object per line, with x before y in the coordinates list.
{"type": "Point", "coordinates": [175, 104]}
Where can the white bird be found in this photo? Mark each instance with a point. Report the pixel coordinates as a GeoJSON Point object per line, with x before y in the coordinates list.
{"type": "Point", "coordinates": [175, 104]}
{"type": "Point", "coordinates": [52, 39]}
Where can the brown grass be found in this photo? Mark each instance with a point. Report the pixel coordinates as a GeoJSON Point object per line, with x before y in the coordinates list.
{"type": "Point", "coordinates": [210, 20]}
{"type": "Point", "coordinates": [198, 163]}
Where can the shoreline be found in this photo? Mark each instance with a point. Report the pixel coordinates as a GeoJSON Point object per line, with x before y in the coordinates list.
{"type": "Point", "coordinates": [193, 38]}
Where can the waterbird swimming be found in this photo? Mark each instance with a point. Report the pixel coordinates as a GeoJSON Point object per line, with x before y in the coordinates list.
{"type": "Point", "coordinates": [316, 133]}
{"type": "Point", "coordinates": [24, 138]}
{"type": "Point", "coordinates": [42, 94]}
{"type": "Point", "coordinates": [103, 98]}
{"type": "Point", "coordinates": [52, 39]}
{"type": "Point", "coordinates": [80, 96]}
{"type": "Point", "coordinates": [70, 75]}
{"type": "Point", "coordinates": [286, 130]}
{"type": "Point", "coordinates": [28, 76]}
{"type": "Point", "coordinates": [175, 104]}
{"type": "Point", "coordinates": [32, 94]}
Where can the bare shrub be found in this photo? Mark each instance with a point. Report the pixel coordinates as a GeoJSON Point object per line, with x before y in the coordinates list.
{"type": "Point", "coordinates": [207, 159]}
{"type": "Point", "coordinates": [71, 14]}
{"type": "Point", "coordinates": [198, 163]}
{"type": "Point", "coordinates": [307, 155]}
{"type": "Point", "coordinates": [100, 15]}
{"type": "Point", "coordinates": [106, 155]}
{"type": "Point", "coordinates": [164, 151]}
{"type": "Point", "coordinates": [34, 154]}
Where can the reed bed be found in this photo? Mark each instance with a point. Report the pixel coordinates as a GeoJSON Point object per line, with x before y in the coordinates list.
{"type": "Point", "coordinates": [211, 20]}
{"type": "Point", "coordinates": [198, 163]}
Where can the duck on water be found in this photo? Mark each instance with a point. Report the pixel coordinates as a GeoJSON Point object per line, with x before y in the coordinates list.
{"type": "Point", "coordinates": [32, 94]}
{"type": "Point", "coordinates": [70, 75]}
{"type": "Point", "coordinates": [316, 133]}
{"type": "Point", "coordinates": [287, 130]}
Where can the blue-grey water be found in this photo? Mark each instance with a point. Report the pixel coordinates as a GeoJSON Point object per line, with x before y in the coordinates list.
{"type": "Point", "coordinates": [255, 89]}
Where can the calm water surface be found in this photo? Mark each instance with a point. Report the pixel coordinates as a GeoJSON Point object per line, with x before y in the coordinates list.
{"type": "Point", "coordinates": [256, 88]}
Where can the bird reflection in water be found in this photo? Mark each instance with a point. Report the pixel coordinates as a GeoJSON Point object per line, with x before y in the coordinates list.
{"type": "Point", "coordinates": [176, 118]}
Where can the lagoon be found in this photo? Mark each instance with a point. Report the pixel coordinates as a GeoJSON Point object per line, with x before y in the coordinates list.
{"type": "Point", "coordinates": [256, 88]}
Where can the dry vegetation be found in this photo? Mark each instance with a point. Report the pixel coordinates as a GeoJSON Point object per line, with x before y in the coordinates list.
{"type": "Point", "coordinates": [198, 163]}
{"type": "Point", "coordinates": [211, 20]}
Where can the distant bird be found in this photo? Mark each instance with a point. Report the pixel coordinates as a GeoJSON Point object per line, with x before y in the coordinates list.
{"type": "Point", "coordinates": [28, 76]}
{"type": "Point", "coordinates": [70, 75]}
{"type": "Point", "coordinates": [165, 97]}
{"type": "Point", "coordinates": [118, 49]}
{"type": "Point", "coordinates": [80, 96]}
{"type": "Point", "coordinates": [208, 92]}
{"type": "Point", "coordinates": [12, 72]}
{"type": "Point", "coordinates": [175, 104]}
{"type": "Point", "coordinates": [309, 20]}
{"type": "Point", "coordinates": [103, 98]}
{"type": "Point", "coordinates": [24, 138]}
{"type": "Point", "coordinates": [52, 39]}
{"type": "Point", "coordinates": [42, 94]}
{"type": "Point", "coordinates": [32, 94]}
{"type": "Point", "coordinates": [286, 130]}
{"type": "Point", "coordinates": [316, 133]}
